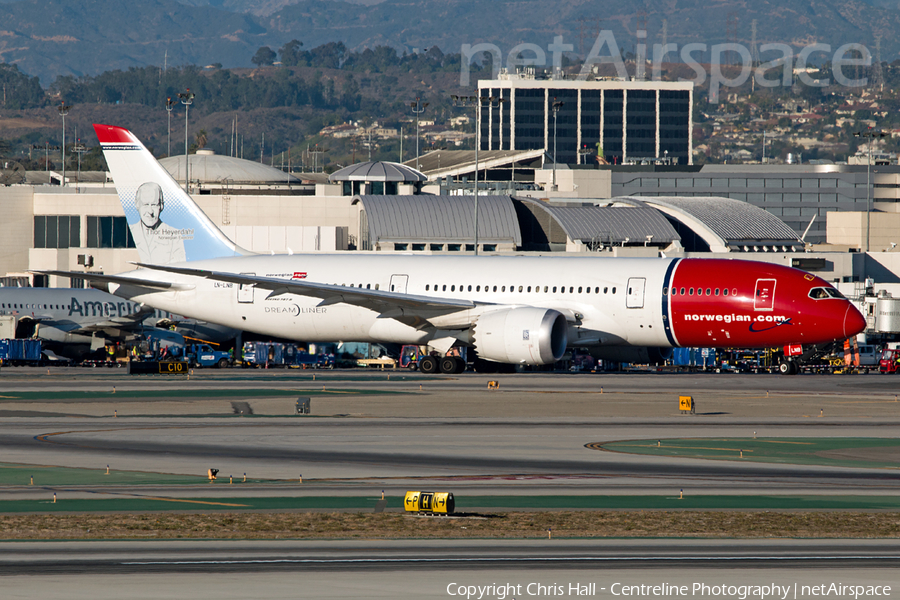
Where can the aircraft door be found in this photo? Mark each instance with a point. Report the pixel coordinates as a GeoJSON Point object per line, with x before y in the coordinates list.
{"type": "Point", "coordinates": [634, 298]}
{"type": "Point", "coordinates": [764, 298]}
{"type": "Point", "coordinates": [245, 292]}
{"type": "Point", "coordinates": [398, 283]}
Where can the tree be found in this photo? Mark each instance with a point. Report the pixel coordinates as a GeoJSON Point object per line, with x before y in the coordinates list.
{"type": "Point", "coordinates": [264, 57]}
{"type": "Point", "coordinates": [290, 53]}
{"type": "Point", "coordinates": [201, 138]}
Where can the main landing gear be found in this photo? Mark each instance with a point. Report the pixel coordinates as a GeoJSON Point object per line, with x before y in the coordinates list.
{"type": "Point", "coordinates": [447, 365]}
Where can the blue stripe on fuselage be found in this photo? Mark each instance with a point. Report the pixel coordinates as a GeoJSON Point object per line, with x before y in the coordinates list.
{"type": "Point", "coordinates": [667, 321]}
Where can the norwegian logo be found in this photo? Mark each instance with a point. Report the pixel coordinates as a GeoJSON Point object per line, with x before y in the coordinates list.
{"type": "Point", "coordinates": [299, 275]}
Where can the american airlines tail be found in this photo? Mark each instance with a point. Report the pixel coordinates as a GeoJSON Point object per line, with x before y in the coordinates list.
{"type": "Point", "coordinates": [166, 224]}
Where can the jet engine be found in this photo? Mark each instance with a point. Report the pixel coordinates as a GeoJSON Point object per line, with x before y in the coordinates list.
{"type": "Point", "coordinates": [644, 355]}
{"type": "Point", "coordinates": [534, 336]}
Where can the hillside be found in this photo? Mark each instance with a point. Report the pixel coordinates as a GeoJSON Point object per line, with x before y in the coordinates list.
{"type": "Point", "coordinates": [48, 38]}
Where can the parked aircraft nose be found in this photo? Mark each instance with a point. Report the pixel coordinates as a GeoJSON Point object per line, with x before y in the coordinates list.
{"type": "Point", "coordinates": [854, 321]}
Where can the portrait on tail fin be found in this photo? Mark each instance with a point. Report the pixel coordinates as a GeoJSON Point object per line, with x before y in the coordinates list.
{"type": "Point", "coordinates": [166, 224]}
{"type": "Point", "coordinates": [157, 242]}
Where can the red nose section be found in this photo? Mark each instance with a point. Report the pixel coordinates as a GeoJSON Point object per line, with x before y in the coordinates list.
{"type": "Point", "coordinates": [854, 322]}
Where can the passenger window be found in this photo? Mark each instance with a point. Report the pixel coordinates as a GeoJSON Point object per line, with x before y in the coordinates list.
{"type": "Point", "coordinates": [725, 292]}
{"type": "Point", "coordinates": [520, 289]}
{"type": "Point", "coordinates": [596, 290]}
{"type": "Point", "coordinates": [587, 290]}
{"type": "Point", "coordinates": [377, 285]}
{"type": "Point", "coordinates": [503, 288]}
{"type": "Point", "coordinates": [579, 289]}
{"type": "Point", "coordinates": [606, 290]}
{"type": "Point", "coordinates": [554, 289]}
{"type": "Point", "coordinates": [665, 291]}
{"type": "Point", "coordinates": [614, 290]}
{"type": "Point", "coordinates": [470, 288]}
{"type": "Point", "coordinates": [426, 287]}
{"type": "Point", "coordinates": [708, 292]}
{"type": "Point", "coordinates": [495, 288]}
{"type": "Point", "coordinates": [717, 291]}
{"type": "Point", "coordinates": [529, 289]}
{"type": "Point", "coordinates": [445, 287]}
{"type": "Point", "coordinates": [571, 289]}
{"type": "Point", "coordinates": [477, 288]}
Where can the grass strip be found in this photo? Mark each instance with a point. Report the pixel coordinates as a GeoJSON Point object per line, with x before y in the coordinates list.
{"type": "Point", "coordinates": [593, 524]}
{"type": "Point", "coordinates": [135, 503]}
{"type": "Point", "coordinates": [205, 393]}
{"type": "Point", "coordinates": [834, 451]}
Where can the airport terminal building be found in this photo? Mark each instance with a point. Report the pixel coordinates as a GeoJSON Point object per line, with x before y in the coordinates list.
{"type": "Point", "coordinates": [629, 120]}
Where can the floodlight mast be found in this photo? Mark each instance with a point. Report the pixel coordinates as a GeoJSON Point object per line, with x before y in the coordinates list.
{"type": "Point", "coordinates": [418, 107]}
{"type": "Point", "coordinates": [170, 105]}
{"type": "Point", "coordinates": [187, 98]}
{"type": "Point", "coordinates": [63, 111]}
{"type": "Point", "coordinates": [478, 102]}
{"type": "Point", "coordinates": [555, 106]}
{"type": "Point", "coordinates": [870, 136]}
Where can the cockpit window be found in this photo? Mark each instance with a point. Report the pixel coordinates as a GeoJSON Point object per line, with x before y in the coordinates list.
{"type": "Point", "coordinates": [822, 293]}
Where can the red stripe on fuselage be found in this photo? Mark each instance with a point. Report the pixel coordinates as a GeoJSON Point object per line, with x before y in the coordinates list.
{"type": "Point", "coordinates": [743, 304]}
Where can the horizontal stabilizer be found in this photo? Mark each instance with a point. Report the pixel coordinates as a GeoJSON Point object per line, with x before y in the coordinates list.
{"type": "Point", "coordinates": [115, 279]}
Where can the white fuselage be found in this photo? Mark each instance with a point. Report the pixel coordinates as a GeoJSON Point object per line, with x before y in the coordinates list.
{"type": "Point", "coordinates": [591, 292]}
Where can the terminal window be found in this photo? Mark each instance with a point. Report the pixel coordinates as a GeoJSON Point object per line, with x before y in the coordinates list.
{"type": "Point", "coordinates": [57, 231]}
{"type": "Point", "coordinates": [108, 232]}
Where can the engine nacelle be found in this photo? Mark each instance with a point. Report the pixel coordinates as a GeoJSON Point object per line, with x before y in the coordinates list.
{"type": "Point", "coordinates": [633, 354]}
{"type": "Point", "coordinates": [534, 336]}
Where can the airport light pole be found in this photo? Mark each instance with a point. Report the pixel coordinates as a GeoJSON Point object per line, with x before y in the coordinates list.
{"type": "Point", "coordinates": [63, 111]}
{"type": "Point", "coordinates": [170, 105]}
{"type": "Point", "coordinates": [557, 104]}
{"type": "Point", "coordinates": [79, 149]}
{"type": "Point", "coordinates": [478, 102]}
{"type": "Point", "coordinates": [187, 98]}
{"type": "Point", "coordinates": [870, 136]}
{"type": "Point", "coordinates": [418, 107]}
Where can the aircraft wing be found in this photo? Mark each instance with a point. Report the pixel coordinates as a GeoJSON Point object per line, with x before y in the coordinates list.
{"type": "Point", "coordinates": [407, 308]}
{"type": "Point", "coordinates": [128, 322]}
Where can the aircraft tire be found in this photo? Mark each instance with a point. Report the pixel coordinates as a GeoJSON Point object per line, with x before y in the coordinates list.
{"type": "Point", "coordinates": [428, 365]}
{"type": "Point", "coordinates": [448, 365]}
{"type": "Point", "coordinates": [784, 367]}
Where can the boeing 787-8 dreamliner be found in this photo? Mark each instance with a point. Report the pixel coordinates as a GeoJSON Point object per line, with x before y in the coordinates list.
{"type": "Point", "coordinates": [509, 309]}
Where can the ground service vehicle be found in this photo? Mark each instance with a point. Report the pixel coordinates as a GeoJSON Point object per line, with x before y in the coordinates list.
{"type": "Point", "coordinates": [890, 361]}
{"type": "Point", "coordinates": [203, 355]}
{"type": "Point", "coordinates": [14, 351]}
